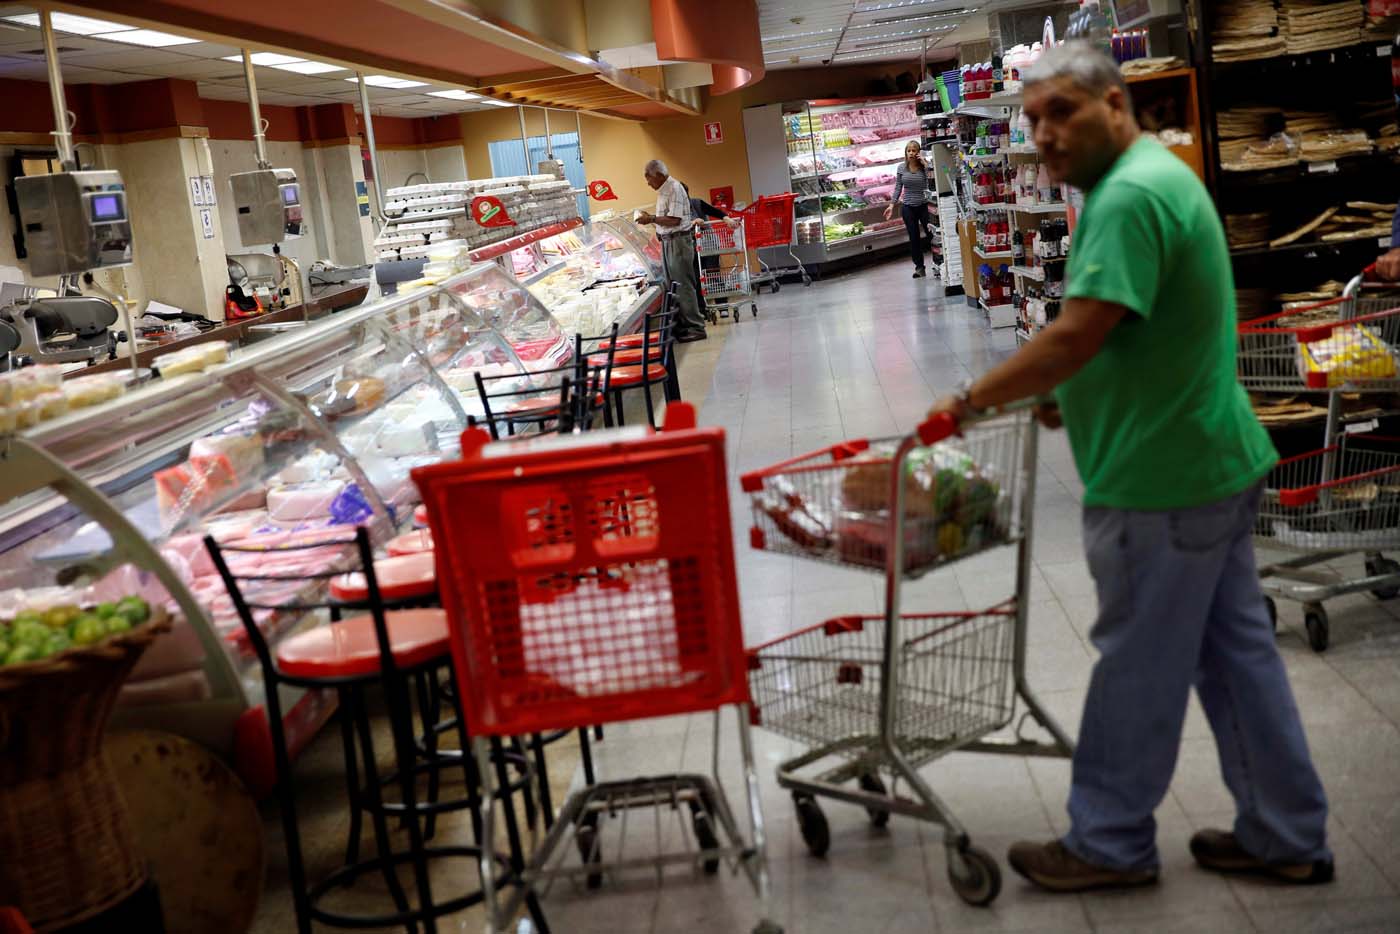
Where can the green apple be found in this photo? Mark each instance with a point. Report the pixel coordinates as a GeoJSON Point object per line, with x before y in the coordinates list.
{"type": "Point", "coordinates": [89, 628]}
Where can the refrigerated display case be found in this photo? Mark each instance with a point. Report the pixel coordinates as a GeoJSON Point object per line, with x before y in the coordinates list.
{"type": "Point", "coordinates": [598, 276]}
{"type": "Point", "coordinates": [839, 158]}
{"type": "Point", "coordinates": [298, 438]}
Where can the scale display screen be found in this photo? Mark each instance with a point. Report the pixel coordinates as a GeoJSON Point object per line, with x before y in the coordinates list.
{"type": "Point", "coordinates": [290, 195]}
{"type": "Point", "coordinates": [106, 208]}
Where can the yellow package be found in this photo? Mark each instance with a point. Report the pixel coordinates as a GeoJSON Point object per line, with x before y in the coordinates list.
{"type": "Point", "coordinates": [1351, 353]}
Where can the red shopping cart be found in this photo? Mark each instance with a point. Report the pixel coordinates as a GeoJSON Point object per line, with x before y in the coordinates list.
{"type": "Point", "coordinates": [594, 581]}
{"type": "Point", "coordinates": [768, 223]}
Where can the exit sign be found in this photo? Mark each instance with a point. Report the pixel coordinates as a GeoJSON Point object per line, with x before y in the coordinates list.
{"type": "Point", "coordinates": [713, 133]}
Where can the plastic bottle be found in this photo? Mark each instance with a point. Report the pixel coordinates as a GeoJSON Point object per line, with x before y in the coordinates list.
{"type": "Point", "coordinates": [1042, 185]}
{"type": "Point", "coordinates": [1018, 249]}
{"type": "Point", "coordinates": [998, 76]}
{"type": "Point", "coordinates": [1023, 129]}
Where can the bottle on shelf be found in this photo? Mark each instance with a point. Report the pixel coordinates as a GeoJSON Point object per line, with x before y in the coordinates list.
{"type": "Point", "coordinates": [1043, 185]}
{"type": "Point", "coordinates": [1018, 249]}
{"type": "Point", "coordinates": [998, 84]}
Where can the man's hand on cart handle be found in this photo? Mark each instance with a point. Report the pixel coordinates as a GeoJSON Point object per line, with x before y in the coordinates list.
{"type": "Point", "coordinates": [1048, 414]}
{"type": "Point", "coordinates": [1388, 266]}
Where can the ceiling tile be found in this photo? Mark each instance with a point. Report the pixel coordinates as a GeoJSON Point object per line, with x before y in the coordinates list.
{"type": "Point", "coordinates": [132, 58]}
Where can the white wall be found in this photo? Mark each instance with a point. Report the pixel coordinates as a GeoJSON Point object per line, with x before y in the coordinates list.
{"type": "Point", "coordinates": [395, 166]}
{"type": "Point", "coordinates": [447, 163]}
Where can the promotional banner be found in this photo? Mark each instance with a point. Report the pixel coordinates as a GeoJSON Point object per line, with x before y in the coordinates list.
{"type": "Point", "coordinates": [489, 212]}
{"type": "Point", "coordinates": [600, 190]}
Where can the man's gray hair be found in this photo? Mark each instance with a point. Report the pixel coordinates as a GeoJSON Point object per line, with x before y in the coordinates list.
{"type": "Point", "coordinates": [1082, 63]}
{"type": "Point", "coordinates": [656, 165]}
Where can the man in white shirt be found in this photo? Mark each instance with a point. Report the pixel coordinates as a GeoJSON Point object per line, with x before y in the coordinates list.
{"type": "Point", "coordinates": [673, 221]}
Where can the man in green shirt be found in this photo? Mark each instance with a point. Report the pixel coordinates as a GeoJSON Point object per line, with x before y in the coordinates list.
{"type": "Point", "coordinates": [1142, 364]}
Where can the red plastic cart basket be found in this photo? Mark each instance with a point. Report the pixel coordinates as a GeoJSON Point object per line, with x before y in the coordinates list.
{"type": "Point", "coordinates": [589, 578]}
{"type": "Point", "coordinates": [768, 220]}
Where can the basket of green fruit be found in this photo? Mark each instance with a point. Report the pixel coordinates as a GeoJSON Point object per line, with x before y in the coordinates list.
{"type": "Point", "coordinates": [66, 849]}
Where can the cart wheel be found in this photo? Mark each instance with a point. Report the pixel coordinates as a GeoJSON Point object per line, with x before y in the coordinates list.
{"type": "Point", "coordinates": [1378, 566]}
{"type": "Point", "coordinates": [767, 927]}
{"type": "Point", "coordinates": [1319, 630]}
{"type": "Point", "coordinates": [871, 782]}
{"type": "Point", "coordinates": [806, 279]}
{"type": "Point", "coordinates": [776, 286]}
{"type": "Point", "coordinates": [705, 836]}
{"type": "Point", "coordinates": [1272, 607]}
{"type": "Point", "coordinates": [810, 819]}
{"type": "Point", "coordinates": [974, 875]}
{"type": "Point", "coordinates": [588, 850]}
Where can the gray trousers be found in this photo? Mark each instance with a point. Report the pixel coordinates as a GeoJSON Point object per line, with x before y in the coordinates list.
{"type": "Point", "coordinates": [678, 259]}
{"type": "Point", "coordinates": [1180, 607]}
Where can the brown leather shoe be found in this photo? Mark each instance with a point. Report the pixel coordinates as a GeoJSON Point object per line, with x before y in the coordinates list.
{"type": "Point", "coordinates": [1051, 866]}
{"type": "Point", "coordinates": [1218, 850]}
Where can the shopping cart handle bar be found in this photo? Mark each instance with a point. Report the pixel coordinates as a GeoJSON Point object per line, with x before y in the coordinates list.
{"type": "Point", "coordinates": [1306, 495]}
{"type": "Point", "coordinates": [940, 426]}
{"type": "Point", "coordinates": [752, 482]}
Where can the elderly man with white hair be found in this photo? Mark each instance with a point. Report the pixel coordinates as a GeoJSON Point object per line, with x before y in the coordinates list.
{"type": "Point", "coordinates": [673, 221]}
{"type": "Point", "coordinates": [1142, 364]}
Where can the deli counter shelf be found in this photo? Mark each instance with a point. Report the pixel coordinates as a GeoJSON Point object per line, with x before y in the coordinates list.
{"type": "Point", "coordinates": [297, 438]}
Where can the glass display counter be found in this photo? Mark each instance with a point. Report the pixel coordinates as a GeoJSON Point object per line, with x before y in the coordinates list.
{"type": "Point", "coordinates": [602, 274]}
{"type": "Point", "coordinates": [295, 439]}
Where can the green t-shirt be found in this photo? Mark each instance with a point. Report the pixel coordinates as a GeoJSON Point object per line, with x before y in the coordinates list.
{"type": "Point", "coordinates": [1158, 419]}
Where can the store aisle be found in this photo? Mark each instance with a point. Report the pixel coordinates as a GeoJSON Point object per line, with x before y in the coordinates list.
{"type": "Point", "coordinates": [863, 354]}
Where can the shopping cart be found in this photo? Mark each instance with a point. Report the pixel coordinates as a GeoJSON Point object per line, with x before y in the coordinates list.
{"type": "Point", "coordinates": [726, 282]}
{"type": "Point", "coordinates": [877, 697]}
{"type": "Point", "coordinates": [594, 582]}
{"type": "Point", "coordinates": [768, 223]}
{"type": "Point", "coordinates": [1343, 498]}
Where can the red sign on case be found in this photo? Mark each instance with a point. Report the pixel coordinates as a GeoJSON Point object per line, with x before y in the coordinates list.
{"type": "Point", "coordinates": [489, 212]}
{"type": "Point", "coordinates": [714, 133]}
{"type": "Point", "coordinates": [600, 190]}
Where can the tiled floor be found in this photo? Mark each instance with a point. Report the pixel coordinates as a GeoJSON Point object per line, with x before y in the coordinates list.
{"type": "Point", "coordinates": [862, 354]}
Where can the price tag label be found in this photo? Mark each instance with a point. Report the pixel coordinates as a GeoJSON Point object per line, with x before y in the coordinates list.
{"type": "Point", "coordinates": [1383, 51]}
{"type": "Point", "coordinates": [1360, 428]}
{"type": "Point", "coordinates": [1384, 243]}
{"type": "Point", "coordinates": [1322, 168]}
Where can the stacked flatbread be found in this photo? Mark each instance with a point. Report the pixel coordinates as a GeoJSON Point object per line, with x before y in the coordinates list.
{"type": "Point", "coordinates": [1307, 305]}
{"type": "Point", "coordinates": [1354, 220]}
{"type": "Point", "coordinates": [1246, 122]}
{"type": "Point", "coordinates": [1246, 30]}
{"type": "Point", "coordinates": [1245, 231]}
{"type": "Point", "coordinates": [1275, 152]}
{"type": "Point", "coordinates": [1245, 142]}
{"type": "Point", "coordinates": [1246, 50]}
{"type": "Point", "coordinates": [1311, 25]}
{"type": "Point", "coordinates": [1150, 66]}
{"type": "Point", "coordinates": [1333, 144]}
{"type": "Point", "coordinates": [1298, 122]}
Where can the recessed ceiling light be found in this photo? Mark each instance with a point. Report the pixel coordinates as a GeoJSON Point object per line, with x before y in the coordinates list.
{"type": "Point", "coordinates": [456, 94]}
{"type": "Point", "coordinates": [146, 37]}
{"type": "Point", "coordinates": [67, 22]}
{"type": "Point", "coordinates": [496, 103]}
{"type": "Point", "coordinates": [309, 68]}
{"type": "Point", "coordinates": [266, 58]}
{"type": "Point", "coordinates": [384, 81]}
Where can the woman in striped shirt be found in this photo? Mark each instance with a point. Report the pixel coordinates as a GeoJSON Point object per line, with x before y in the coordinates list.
{"type": "Point", "coordinates": [910, 183]}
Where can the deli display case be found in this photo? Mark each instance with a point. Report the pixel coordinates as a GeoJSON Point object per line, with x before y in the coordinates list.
{"type": "Point", "coordinates": [591, 278]}
{"type": "Point", "coordinates": [294, 439]}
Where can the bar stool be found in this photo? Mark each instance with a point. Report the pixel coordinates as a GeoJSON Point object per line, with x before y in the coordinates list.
{"type": "Point", "coordinates": [375, 648]}
{"type": "Point", "coordinates": [549, 398]}
{"type": "Point", "coordinates": [654, 366]}
{"type": "Point", "coordinates": [635, 341]}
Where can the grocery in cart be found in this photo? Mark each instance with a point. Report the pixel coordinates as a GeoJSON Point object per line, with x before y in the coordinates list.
{"type": "Point", "coordinates": [594, 582]}
{"type": "Point", "coordinates": [768, 222]}
{"type": "Point", "coordinates": [875, 697]}
{"type": "Point", "coordinates": [726, 282]}
{"type": "Point", "coordinates": [1343, 498]}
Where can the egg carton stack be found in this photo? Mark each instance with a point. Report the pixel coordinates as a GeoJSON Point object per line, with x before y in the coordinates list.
{"type": "Point", "coordinates": [532, 201]}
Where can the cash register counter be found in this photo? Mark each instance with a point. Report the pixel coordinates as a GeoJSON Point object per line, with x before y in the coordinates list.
{"type": "Point", "coordinates": [323, 300]}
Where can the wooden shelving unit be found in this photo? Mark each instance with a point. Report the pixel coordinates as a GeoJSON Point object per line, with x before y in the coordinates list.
{"type": "Point", "coordinates": [1174, 89]}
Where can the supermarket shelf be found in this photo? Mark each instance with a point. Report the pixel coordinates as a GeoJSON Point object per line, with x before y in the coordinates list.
{"type": "Point", "coordinates": [884, 233]}
{"type": "Point", "coordinates": [1057, 207]}
{"type": "Point", "coordinates": [990, 106]}
{"type": "Point", "coordinates": [393, 220]}
{"type": "Point", "coordinates": [1000, 316]}
{"type": "Point", "coordinates": [998, 206]}
{"type": "Point", "coordinates": [1023, 151]}
{"type": "Point", "coordinates": [999, 254]}
{"type": "Point", "coordinates": [1029, 272]}
{"type": "Point", "coordinates": [1366, 52]}
{"type": "Point", "coordinates": [984, 157]}
{"type": "Point", "coordinates": [501, 247]}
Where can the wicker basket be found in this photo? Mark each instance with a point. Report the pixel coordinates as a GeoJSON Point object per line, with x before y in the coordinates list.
{"type": "Point", "coordinates": [66, 849]}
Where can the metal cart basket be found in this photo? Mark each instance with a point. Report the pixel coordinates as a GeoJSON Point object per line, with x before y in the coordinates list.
{"type": "Point", "coordinates": [876, 697]}
{"type": "Point", "coordinates": [725, 280]}
{"type": "Point", "coordinates": [1343, 498]}
{"type": "Point", "coordinates": [768, 221]}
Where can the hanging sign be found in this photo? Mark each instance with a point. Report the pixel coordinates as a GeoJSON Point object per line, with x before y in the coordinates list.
{"type": "Point", "coordinates": [489, 212]}
{"type": "Point", "coordinates": [600, 190]}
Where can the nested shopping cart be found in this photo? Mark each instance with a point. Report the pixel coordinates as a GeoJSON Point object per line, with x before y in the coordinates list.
{"type": "Point", "coordinates": [768, 222]}
{"type": "Point", "coordinates": [874, 698]}
{"type": "Point", "coordinates": [590, 579]}
{"type": "Point", "coordinates": [726, 282]}
{"type": "Point", "coordinates": [1343, 498]}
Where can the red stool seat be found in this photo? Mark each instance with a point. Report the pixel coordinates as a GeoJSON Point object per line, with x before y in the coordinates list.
{"type": "Point", "coordinates": [349, 648]}
{"type": "Point", "coordinates": [401, 577]}
{"type": "Point", "coordinates": [420, 515]}
{"type": "Point", "coordinates": [411, 543]}
{"type": "Point", "coordinates": [627, 340]}
{"type": "Point", "coordinates": [632, 375]}
{"type": "Point", "coordinates": [621, 357]}
{"type": "Point", "coordinates": [546, 405]}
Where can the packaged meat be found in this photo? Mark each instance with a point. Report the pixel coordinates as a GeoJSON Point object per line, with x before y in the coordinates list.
{"type": "Point", "coordinates": [294, 502]}
{"type": "Point", "coordinates": [243, 452]}
{"type": "Point", "coordinates": [398, 440]}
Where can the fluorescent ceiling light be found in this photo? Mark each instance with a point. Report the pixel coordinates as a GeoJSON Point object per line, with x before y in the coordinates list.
{"type": "Point", "coordinates": [67, 22]}
{"type": "Point", "coordinates": [456, 94]}
{"type": "Point", "coordinates": [384, 81]}
{"type": "Point", "coordinates": [147, 37]}
{"type": "Point", "coordinates": [802, 35]}
{"type": "Point", "coordinates": [309, 68]}
{"type": "Point", "coordinates": [893, 5]}
{"type": "Point", "coordinates": [799, 48]}
{"type": "Point", "coordinates": [265, 58]}
{"type": "Point", "coordinates": [495, 103]}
